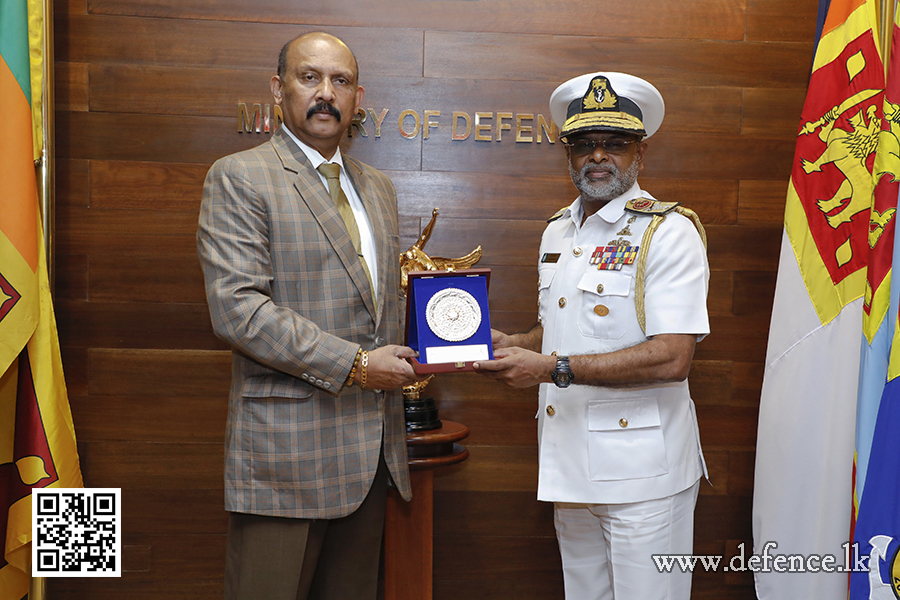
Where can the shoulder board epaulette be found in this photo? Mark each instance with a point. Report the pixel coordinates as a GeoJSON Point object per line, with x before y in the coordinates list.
{"type": "Point", "coordinates": [646, 206]}
{"type": "Point", "coordinates": [686, 212]}
{"type": "Point", "coordinates": [559, 213]}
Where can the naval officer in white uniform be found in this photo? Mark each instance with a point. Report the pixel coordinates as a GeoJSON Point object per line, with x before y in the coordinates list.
{"type": "Point", "coordinates": [623, 282]}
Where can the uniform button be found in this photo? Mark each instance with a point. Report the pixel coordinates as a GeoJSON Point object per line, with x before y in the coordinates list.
{"type": "Point", "coordinates": [599, 288]}
{"type": "Point", "coordinates": [551, 411]}
{"type": "Point", "coordinates": [378, 391]}
{"type": "Point", "coordinates": [305, 376]}
{"type": "Point", "coordinates": [623, 422]}
{"type": "Point", "coordinates": [326, 385]}
{"type": "Point", "coordinates": [601, 310]}
{"type": "Point", "coordinates": [562, 302]}
{"type": "Point", "coordinates": [319, 382]}
{"type": "Point", "coordinates": [576, 251]}
{"type": "Point", "coordinates": [379, 341]}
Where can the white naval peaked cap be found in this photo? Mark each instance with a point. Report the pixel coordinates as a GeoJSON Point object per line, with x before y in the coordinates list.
{"type": "Point", "coordinates": [607, 102]}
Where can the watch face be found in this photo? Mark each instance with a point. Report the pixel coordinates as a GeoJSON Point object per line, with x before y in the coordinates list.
{"type": "Point", "coordinates": [562, 375]}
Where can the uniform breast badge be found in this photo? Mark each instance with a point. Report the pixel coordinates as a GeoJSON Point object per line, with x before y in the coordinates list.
{"type": "Point", "coordinates": [613, 258]}
{"type": "Point", "coordinates": [550, 257]}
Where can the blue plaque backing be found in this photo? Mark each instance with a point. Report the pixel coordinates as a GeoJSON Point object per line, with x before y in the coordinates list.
{"type": "Point", "coordinates": [423, 285]}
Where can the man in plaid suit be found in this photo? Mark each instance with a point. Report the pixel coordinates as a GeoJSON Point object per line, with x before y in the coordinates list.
{"type": "Point", "coordinates": [311, 308]}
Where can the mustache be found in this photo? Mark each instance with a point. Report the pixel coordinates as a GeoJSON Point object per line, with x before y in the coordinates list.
{"type": "Point", "coordinates": [324, 107]}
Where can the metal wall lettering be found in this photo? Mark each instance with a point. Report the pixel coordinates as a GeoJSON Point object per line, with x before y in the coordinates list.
{"type": "Point", "coordinates": [260, 120]}
{"type": "Point", "coordinates": [400, 123]}
{"type": "Point", "coordinates": [456, 116]}
{"type": "Point", "coordinates": [429, 124]}
{"type": "Point", "coordinates": [487, 126]}
{"type": "Point", "coordinates": [357, 122]}
{"type": "Point", "coordinates": [481, 127]}
{"type": "Point", "coordinates": [378, 120]}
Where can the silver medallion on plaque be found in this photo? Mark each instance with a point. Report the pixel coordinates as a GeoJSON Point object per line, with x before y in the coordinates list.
{"type": "Point", "coordinates": [453, 314]}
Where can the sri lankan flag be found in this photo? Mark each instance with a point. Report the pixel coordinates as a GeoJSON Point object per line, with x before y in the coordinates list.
{"type": "Point", "coordinates": [805, 447]}
{"type": "Point", "coordinates": [37, 439]}
{"type": "Point", "coordinates": [876, 534]}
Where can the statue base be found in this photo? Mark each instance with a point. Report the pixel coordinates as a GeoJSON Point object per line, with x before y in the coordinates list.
{"type": "Point", "coordinates": [421, 414]}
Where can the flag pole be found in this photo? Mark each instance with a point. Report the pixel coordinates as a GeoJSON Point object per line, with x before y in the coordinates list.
{"type": "Point", "coordinates": [47, 187]}
{"type": "Point", "coordinates": [38, 590]}
{"type": "Point", "coordinates": [48, 154]}
{"type": "Point", "coordinates": [885, 30]}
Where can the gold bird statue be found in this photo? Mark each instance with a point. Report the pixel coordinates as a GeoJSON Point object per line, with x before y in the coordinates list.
{"type": "Point", "coordinates": [415, 259]}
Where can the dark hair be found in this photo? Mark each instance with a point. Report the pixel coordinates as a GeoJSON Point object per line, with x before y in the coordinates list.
{"type": "Point", "coordinates": [282, 57]}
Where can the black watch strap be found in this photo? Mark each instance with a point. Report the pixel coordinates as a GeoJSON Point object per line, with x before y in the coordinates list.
{"type": "Point", "coordinates": [562, 374]}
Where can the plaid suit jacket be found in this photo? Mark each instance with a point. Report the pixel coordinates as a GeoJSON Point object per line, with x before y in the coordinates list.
{"type": "Point", "coordinates": [287, 291]}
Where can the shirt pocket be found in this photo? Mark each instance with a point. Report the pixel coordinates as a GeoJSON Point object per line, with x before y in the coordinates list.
{"type": "Point", "coordinates": [625, 440]}
{"type": "Point", "coordinates": [605, 304]}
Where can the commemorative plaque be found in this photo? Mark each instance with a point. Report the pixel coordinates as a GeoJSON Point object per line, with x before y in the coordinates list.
{"type": "Point", "coordinates": [447, 319]}
{"type": "Point", "coordinates": [453, 314]}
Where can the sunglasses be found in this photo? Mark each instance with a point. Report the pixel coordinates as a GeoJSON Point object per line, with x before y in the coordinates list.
{"type": "Point", "coordinates": [610, 146]}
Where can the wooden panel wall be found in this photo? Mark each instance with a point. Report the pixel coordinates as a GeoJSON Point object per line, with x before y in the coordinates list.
{"type": "Point", "coordinates": [147, 94]}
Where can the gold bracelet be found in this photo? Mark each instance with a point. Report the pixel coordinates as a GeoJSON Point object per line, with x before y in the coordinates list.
{"type": "Point", "coordinates": [349, 381]}
{"type": "Point", "coordinates": [364, 370]}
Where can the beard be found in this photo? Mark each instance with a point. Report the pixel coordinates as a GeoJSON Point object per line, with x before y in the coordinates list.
{"type": "Point", "coordinates": [604, 191]}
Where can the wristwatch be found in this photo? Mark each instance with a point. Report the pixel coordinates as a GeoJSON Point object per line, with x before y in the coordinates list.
{"type": "Point", "coordinates": [562, 374]}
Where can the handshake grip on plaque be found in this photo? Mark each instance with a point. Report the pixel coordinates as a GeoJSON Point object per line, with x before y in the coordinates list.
{"type": "Point", "coordinates": [421, 413]}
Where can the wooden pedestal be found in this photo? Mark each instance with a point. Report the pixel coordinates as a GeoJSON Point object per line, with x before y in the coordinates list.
{"type": "Point", "coordinates": [408, 528]}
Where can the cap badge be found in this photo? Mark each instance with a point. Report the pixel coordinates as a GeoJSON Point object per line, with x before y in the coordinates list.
{"type": "Point", "coordinates": [600, 95]}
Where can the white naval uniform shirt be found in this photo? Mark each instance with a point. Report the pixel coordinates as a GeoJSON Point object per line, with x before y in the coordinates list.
{"type": "Point", "coordinates": [605, 445]}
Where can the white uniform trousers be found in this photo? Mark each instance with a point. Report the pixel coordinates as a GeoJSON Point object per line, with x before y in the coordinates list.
{"type": "Point", "coordinates": [607, 549]}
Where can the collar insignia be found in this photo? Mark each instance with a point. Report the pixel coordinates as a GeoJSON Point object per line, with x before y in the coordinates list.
{"type": "Point", "coordinates": [558, 214]}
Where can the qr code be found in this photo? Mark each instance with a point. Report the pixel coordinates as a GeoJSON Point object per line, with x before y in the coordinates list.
{"type": "Point", "coordinates": [76, 532]}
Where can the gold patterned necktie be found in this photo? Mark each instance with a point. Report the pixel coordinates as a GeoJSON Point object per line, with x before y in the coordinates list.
{"type": "Point", "coordinates": [332, 173]}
